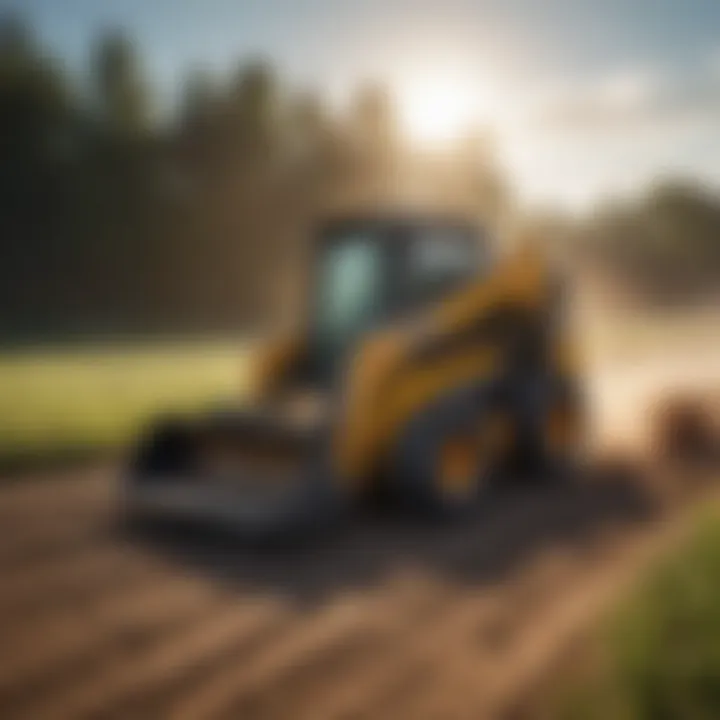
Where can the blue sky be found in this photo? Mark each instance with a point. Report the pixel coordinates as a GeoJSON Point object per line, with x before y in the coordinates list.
{"type": "Point", "coordinates": [592, 97]}
{"type": "Point", "coordinates": [311, 35]}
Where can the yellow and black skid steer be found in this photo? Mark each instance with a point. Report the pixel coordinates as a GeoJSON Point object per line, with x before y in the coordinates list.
{"type": "Point", "coordinates": [428, 363]}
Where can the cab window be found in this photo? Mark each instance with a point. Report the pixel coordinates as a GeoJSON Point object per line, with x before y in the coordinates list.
{"type": "Point", "coordinates": [438, 260]}
{"type": "Point", "coordinates": [349, 297]}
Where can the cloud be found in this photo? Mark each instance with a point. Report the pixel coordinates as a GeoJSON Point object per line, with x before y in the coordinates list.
{"type": "Point", "coordinates": [713, 62]}
{"type": "Point", "coordinates": [632, 100]}
{"type": "Point", "coordinates": [576, 140]}
{"type": "Point", "coordinates": [626, 91]}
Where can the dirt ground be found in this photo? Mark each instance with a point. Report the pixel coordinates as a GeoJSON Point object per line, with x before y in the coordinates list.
{"type": "Point", "coordinates": [390, 617]}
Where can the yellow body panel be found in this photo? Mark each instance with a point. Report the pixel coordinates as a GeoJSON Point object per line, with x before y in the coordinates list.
{"type": "Point", "coordinates": [387, 384]}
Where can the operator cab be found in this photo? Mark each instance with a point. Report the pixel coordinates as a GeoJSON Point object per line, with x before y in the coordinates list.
{"type": "Point", "coordinates": [373, 271]}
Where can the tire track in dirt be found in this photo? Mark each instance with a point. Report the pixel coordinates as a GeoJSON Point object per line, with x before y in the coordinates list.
{"type": "Point", "coordinates": [66, 581]}
{"type": "Point", "coordinates": [44, 541]}
{"type": "Point", "coordinates": [170, 646]}
{"type": "Point", "coordinates": [336, 667]}
{"type": "Point", "coordinates": [289, 675]}
{"type": "Point", "coordinates": [471, 681]}
{"type": "Point", "coordinates": [47, 494]}
{"type": "Point", "coordinates": [318, 644]}
{"type": "Point", "coordinates": [217, 631]}
{"type": "Point", "coordinates": [484, 617]}
{"type": "Point", "coordinates": [61, 646]}
{"type": "Point", "coordinates": [36, 528]}
{"type": "Point", "coordinates": [469, 688]}
{"type": "Point", "coordinates": [149, 650]}
{"type": "Point", "coordinates": [486, 622]}
{"type": "Point", "coordinates": [468, 664]}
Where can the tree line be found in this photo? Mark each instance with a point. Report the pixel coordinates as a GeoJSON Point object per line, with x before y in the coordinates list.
{"type": "Point", "coordinates": [123, 217]}
{"type": "Point", "coordinates": [662, 248]}
{"type": "Point", "coordinates": [120, 216]}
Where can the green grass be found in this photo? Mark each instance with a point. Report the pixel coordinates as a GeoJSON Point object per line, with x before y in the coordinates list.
{"type": "Point", "coordinates": [660, 655]}
{"type": "Point", "coordinates": [63, 403]}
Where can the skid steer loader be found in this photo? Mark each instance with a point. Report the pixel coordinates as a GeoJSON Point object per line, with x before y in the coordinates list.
{"type": "Point", "coordinates": [429, 363]}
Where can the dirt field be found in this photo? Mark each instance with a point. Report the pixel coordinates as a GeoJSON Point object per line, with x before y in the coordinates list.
{"type": "Point", "coordinates": [389, 618]}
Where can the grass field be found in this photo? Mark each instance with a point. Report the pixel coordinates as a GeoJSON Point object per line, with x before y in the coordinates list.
{"type": "Point", "coordinates": [55, 403]}
{"type": "Point", "coordinates": [660, 653]}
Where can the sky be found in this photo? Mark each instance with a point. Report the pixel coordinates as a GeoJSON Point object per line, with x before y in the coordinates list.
{"type": "Point", "coordinates": [585, 98]}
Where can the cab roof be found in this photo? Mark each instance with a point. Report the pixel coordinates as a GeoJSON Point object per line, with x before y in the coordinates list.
{"type": "Point", "coordinates": [334, 225]}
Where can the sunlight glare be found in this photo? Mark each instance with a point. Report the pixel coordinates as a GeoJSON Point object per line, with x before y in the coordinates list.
{"type": "Point", "coordinates": [437, 111]}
